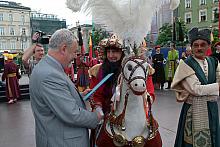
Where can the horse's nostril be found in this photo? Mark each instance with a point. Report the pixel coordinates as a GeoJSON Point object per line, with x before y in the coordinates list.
{"type": "Point", "coordinates": [136, 84]}
{"type": "Point", "coordinates": [143, 85]}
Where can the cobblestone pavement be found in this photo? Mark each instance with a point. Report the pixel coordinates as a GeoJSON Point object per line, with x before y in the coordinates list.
{"type": "Point", "coordinates": [17, 122]}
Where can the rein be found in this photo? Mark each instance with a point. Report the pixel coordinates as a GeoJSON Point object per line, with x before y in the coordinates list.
{"type": "Point", "coordinates": [119, 121]}
{"type": "Point", "coordinates": [130, 79]}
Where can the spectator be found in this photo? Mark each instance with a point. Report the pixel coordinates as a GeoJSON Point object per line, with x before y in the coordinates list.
{"type": "Point", "coordinates": [36, 50]}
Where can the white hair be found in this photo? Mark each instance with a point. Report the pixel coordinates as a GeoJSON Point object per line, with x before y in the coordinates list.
{"type": "Point", "coordinates": [61, 36]}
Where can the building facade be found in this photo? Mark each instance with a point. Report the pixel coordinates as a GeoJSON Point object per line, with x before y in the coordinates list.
{"type": "Point", "coordinates": [47, 23]}
{"type": "Point", "coordinates": [14, 26]}
{"type": "Point", "coordinates": [199, 13]}
{"type": "Point", "coordinates": [162, 16]}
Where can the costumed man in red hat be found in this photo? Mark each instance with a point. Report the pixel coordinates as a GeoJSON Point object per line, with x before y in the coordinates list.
{"type": "Point", "coordinates": [83, 64]}
{"type": "Point", "coordinates": [217, 51]}
{"type": "Point", "coordinates": [11, 75]}
{"type": "Point", "coordinates": [159, 75]}
{"type": "Point", "coordinates": [97, 59]}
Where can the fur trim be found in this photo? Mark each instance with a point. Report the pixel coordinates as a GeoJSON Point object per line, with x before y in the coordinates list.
{"type": "Point", "coordinates": [182, 71]}
{"type": "Point", "coordinates": [93, 71]}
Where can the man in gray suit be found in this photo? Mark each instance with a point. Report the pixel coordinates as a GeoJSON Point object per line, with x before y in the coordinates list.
{"type": "Point", "coordinates": [60, 113]}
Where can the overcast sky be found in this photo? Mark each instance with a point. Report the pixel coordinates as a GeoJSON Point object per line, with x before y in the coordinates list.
{"type": "Point", "coordinates": [57, 7]}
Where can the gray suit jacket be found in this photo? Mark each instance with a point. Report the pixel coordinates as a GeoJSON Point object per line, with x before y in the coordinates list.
{"type": "Point", "coordinates": [61, 117]}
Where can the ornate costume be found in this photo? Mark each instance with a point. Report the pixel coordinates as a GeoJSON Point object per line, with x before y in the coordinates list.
{"type": "Point", "coordinates": [11, 75]}
{"type": "Point", "coordinates": [159, 75]}
{"type": "Point", "coordinates": [102, 97]}
{"type": "Point", "coordinates": [82, 63]}
{"type": "Point", "coordinates": [195, 85]}
{"type": "Point", "coordinates": [171, 65]}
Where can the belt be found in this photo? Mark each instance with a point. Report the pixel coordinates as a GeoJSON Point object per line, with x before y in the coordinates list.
{"type": "Point", "coordinates": [11, 75]}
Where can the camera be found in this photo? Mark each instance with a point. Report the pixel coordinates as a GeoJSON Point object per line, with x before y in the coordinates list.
{"type": "Point", "coordinates": [42, 39]}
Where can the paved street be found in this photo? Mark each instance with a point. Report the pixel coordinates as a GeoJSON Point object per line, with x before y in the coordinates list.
{"type": "Point", "coordinates": [17, 122]}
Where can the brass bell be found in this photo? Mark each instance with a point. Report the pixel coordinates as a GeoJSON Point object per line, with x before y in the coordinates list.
{"type": "Point", "coordinates": [138, 141]}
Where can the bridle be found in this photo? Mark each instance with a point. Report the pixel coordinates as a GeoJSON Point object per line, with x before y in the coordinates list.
{"type": "Point", "coordinates": [130, 79]}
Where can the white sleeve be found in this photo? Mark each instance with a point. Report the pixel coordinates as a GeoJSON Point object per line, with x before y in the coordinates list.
{"type": "Point", "coordinates": [194, 87]}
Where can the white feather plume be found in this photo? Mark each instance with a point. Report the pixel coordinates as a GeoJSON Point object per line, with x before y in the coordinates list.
{"type": "Point", "coordinates": [75, 5]}
{"type": "Point", "coordinates": [129, 19]}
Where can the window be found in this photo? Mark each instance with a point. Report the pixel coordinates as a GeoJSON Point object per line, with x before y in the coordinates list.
{"type": "Point", "coordinates": [188, 18]}
{"type": "Point", "coordinates": [22, 19]}
{"type": "Point", "coordinates": [23, 45]}
{"type": "Point", "coordinates": [23, 32]}
{"type": "Point", "coordinates": [187, 3]}
{"type": "Point", "coordinates": [10, 16]}
{"type": "Point", "coordinates": [11, 31]}
{"type": "Point", "coordinates": [202, 15]}
{"type": "Point", "coordinates": [202, 2]}
{"type": "Point", "coordinates": [13, 45]}
{"type": "Point", "coordinates": [1, 17]}
{"type": "Point", "coordinates": [2, 32]}
{"type": "Point", "coordinates": [3, 45]}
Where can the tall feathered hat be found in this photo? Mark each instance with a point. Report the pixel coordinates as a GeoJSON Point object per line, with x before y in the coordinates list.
{"type": "Point", "coordinates": [129, 19]}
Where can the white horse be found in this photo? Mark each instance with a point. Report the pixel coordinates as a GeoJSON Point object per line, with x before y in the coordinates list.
{"type": "Point", "coordinates": [130, 122]}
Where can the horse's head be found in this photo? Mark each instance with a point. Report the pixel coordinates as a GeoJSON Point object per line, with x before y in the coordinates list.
{"type": "Point", "coordinates": [135, 70]}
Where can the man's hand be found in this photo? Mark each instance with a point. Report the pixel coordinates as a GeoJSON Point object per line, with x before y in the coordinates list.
{"type": "Point", "coordinates": [100, 113]}
{"type": "Point", "coordinates": [86, 91]}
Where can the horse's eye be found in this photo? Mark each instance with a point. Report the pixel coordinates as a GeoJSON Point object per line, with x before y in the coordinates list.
{"type": "Point", "coordinates": [129, 66]}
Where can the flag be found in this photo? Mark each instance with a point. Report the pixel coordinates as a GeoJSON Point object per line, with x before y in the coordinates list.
{"type": "Point", "coordinates": [90, 47]}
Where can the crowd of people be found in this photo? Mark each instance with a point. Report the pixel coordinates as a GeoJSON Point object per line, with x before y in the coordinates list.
{"type": "Point", "coordinates": [61, 116]}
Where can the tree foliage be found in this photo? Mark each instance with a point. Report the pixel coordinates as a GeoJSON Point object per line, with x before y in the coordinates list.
{"type": "Point", "coordinates": [97, 35]}
{"type": "Point", "coordinates": [165, 33]}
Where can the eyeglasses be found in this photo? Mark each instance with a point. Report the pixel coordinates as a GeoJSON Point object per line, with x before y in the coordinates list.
{"type": "Point", "coordinates": [202, 45]}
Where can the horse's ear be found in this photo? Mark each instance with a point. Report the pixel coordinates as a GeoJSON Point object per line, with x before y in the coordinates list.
{"type": "Point", "coordinates": [151, 70]}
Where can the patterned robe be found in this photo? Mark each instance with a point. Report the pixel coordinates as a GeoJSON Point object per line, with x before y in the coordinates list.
{"type": "Point", "coordinates": [195, 84]}
{"type": "Point", "coordinates": [172, 63]}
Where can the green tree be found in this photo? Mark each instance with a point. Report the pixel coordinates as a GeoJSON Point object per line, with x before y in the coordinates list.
{"type": "Point", "coordinates": [98, 35]}
{"type": "Point", "coordinates": [181, 33]}
{"type": "Point", "coordinates": [165, 34]}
